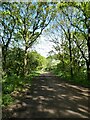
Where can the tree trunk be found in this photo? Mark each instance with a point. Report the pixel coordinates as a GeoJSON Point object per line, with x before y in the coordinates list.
{"type": "Point", "coordinates": [25, 62]}
{"type": "Point", "coordinates": [88, 71]}
{"type": "Point", "coordinates": [88, 63]}
{"type": "Point", "coordinates": [70, 52]}
{"type": "Point", "coordinates": [0, 61]}
{"type": "Point", "coordinates": [4, 53]}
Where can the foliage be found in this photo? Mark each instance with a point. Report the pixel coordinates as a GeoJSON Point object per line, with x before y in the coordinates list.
{"type": "Point", "coordinates": [15, 62]}
{"type": "Point", "coordinates": [36, 61]}
{"type": "Point", "coordinates": [6, 99]}
{"type": "Point", "coordinates": [68, 28]}
{"type": "Point", "coordinates": [14, 80]}
{"type": "Point", "coordinates": [70, 35]}
{"type": "Point", "coordinates": [79, 77]}
{"type": "Point", "coordinates": [15, 83]}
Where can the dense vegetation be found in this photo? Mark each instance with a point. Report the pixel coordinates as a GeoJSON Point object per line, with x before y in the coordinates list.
{"type": "Point", "coordinates": [67, 25]}
{"type": "Point", "coordinates": [14, 79]}
{"type": "Point", "coordinates": [70, 35]}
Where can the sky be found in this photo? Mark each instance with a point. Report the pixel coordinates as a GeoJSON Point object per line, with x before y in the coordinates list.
{"type": "Point", "coordinates": [43, 46]}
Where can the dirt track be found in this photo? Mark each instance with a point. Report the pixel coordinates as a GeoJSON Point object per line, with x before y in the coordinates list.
{"type": "Point", "coordinates": [49, 97]}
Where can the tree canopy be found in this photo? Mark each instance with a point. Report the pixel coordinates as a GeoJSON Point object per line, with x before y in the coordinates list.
{"type": "Point", "coordinates": [65, 24]}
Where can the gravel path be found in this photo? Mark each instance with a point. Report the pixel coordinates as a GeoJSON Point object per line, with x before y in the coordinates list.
{"type": "Point", "coordinates": [50, 97]}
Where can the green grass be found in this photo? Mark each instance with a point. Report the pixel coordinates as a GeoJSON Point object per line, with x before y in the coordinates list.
{"type": "Point", "coordinates": [79, 79]}
{"type": "Point", "coordinates": [6, 99]}
{"type": "Point", "coordinates": [15, 83]}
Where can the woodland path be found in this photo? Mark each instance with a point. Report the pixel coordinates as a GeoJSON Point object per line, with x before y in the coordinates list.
{"type": "Point", "coordinates": [51, 97]}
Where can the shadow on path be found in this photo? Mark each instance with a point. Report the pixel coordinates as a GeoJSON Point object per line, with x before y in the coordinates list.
{"type": "Point", "coordinates": [50, 97]}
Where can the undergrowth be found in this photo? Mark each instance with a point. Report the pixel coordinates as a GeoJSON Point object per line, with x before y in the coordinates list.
{"type": "Point", "coordinates": [14, 83]}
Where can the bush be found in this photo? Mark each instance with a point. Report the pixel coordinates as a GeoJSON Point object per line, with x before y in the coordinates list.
{"type": "Point", "coordinates": [79, 78]}
{"type": "Point", "coordinates": [6, 99]}
{"type": "Point", "coordinates": [13, 83]}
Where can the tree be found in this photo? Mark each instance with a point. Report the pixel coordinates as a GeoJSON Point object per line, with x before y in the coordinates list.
{"type": "Point", "coordinates": [35, 61]}
{"type": "Point", "coordinates": [15, 62]}
{"type": "Point", "coordinates": [33, 19]}
{"type": "Point", "coordinates": [82, 16]}
{"type": "Point", "coordinates": [8, 21]}
{"type": "Point", "coordinates": [23, 22]}
{"type": "Point", "coordinates": [63, 27]}
{"type": "Point", "coordinates": [84, 9]}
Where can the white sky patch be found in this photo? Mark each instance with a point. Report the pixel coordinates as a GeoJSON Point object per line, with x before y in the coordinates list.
{"type": "Point", "coordinates": [43, 46]}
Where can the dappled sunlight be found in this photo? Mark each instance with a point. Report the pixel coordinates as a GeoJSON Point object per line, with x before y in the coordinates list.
{"type": "Point", "coordinates": [83, 106]}
{"type": "Point", "coordinates": [60, 96]}
{"type": "Point", "coordinates": [41, 98]}
{"type": "Point", "coordinates": [51, 111]}
{"type": "Point", "coordinates": [85, 94]}
{"type": "Point", "coordinates": [51, 89]}
{"type": "Point", "coordinates": [28, 96]}
{"type": "Point", "coordinates": [83, 110]}
{"type": "Point", "coordinates": [76, 114]}
{"type": "Point", "coordinates": [78, 88]}
{"type": "Point", "coordinates": [53, 98]}
{"type": "Point", "coordinates": [60, 85]}
{"type": "Point", "coordinates": [75, 98]}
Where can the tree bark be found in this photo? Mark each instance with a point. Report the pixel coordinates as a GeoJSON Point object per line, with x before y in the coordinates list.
{"type": "Point", "coordinates": [0, 61]}
{"type": "Point", "coordinates": [88, 62]}
{"type": "Point", "coordinates": [88, 71]}
{"type": "Point", "coordinates": [70, 52]}
{"type": "Point", "coordinates": [25, 61]}
{"type": "Point", "coordinates": [4, 53]}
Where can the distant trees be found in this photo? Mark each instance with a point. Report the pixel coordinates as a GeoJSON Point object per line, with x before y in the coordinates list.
{"type": "Point", "coordinates": [35, 61]}
{"type": "Point", "coordinates": [33, 19]}
{"type": "Point", "coordinates": [23, 22]}
{"type": "Point", "coordinates": [72, 22]}
{"type": "Point", "coordinates": [15, 62]}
